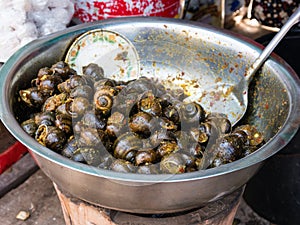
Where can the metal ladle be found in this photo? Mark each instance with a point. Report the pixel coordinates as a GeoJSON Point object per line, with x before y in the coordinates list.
{"type": "Point", "coordinates": [233, 99]}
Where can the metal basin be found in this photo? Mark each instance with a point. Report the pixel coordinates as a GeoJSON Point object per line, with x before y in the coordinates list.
{"type": "Point", "coordinates": [165, 46]}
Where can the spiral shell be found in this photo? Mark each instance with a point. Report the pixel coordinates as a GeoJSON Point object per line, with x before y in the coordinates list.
{"type": "Point", "coordinates": [173, 163]}
{"type": "Point", "coordinates": [145, 156]}
{"type": "Point", "coordinates": [122, 166]}
{"type": "Point", "coordinates": [201, 134]}
{"type": "Point", "coordinates": [104, 98]}
{"type": "Point", "coordinates": [70, 147]}
{"type": "Point", "coordinates": [165, 124]}
{"type": "Point", "coordinates": [159, 136]}
{"type": "Point", "coordinates": [84, 91]}
{"type": "Point", "coordinates": [220, 122]}
{"type": "Point", "coordinates": [42, 71]}
{"type": "Point", "coordinates": [71, 83]}
{"type": "Point", "coordinates": [140, 123]}
{"type": "Point", "coordinates": [139, 86]}
{"type": "Point", "coordinates": [78, 106]}
{"type": "Point", "coordinates": [149, 169]}
{"type": "Point", "coordinates": [92, 156]}
{"type": "Point", "coordinates": [29, 126]}
{"type": "Point", "coordinates": [126, 146]}
{"type": "Point", "coordinates": [51, 137]}
{"type": "Point", "coordinates": [47, 84]}
{"type": "Point", "coordinates": [228, 149]}
{"type": "Point", "coordinates": [53, 102]}
{"type": "Point", "coordinates": [116, 124]}
{"type": "Point", "coordinates": [89, 137]}
{"type": "Point", "coordinates": [90, 119]}
{"type": "Point", "coordinates": [171, 113]}
{"type": "Point", "coordinates": [192, 114]}
{"type": "Point", "coordinates": [32, 97]}
{"type": "Point", "coordinates": [46, 118]}
{"type": "Point", "coordinates": [104, 82]}
{"type": "Point", "coordinates": [64, 123]}
{"type": "Point", "coordinates": [150, 104]}
{"type": "Point", "coordinates": [253, 135]}
{"type": "Point", "coordinates": [63, 69]}
{"type": "Point", "coordinates": [166, 148]}
{"type": "Point", "coordinates": [94, 71]}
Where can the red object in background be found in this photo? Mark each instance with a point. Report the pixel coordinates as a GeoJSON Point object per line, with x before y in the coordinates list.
{"type": "Point", "coordinates": [88, 11]}
{"type": "Point", "coordinates": [11, 155]}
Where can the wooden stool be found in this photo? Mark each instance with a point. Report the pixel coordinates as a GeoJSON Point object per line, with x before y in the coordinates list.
{"type": "Point", "coordinates": [78, 212]}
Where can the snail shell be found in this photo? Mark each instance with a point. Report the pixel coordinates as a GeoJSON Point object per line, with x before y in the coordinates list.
{"type": "Point", "coordinates": [196, 150]}
{"type": "Point", "coordinates": [32, 97]}
{"type": "Point", "coordinates": [106, 161]}
{"type": "Point", "coordinates": [89, 137]}
{"type": "Point", "coordinates": [71, 83]}
{"type": "Point", "coordinates": [201, 134]}
{"type": "Point", "coordinates": [63, 69]}
{"type": "Point", "coordinates": [42, 71]}
{"type": "Point", "coordinates": [104, 82]}
{"type": "Point", "coordinates": [192, 114]}
{"type": "Point", "coordinates": [123, 166]}
{"type": "Point", "coordinates": [166, 148]}
{"type": "Point", "coordinates": [126, 146]}
{"type": "Point", "coordinates": [104, 98]}
{"type": "Point", "coordinates": [70, 147]}
{"type": "Point", "coordinates": [47, 84]}
{"type": "Point", "coordinates": [164, 123]}
{"type": "Point", "coordinates": [46, 118]}
{"type": "Point", "coordinates": [140, 123]}
{"type": "Point", "coordinates": [253, 135]}
{"type": "Point", "coordinates": [78, 126]}
{"type": "Point", "coordinates": [158, 136]}
{"type": "Point", "coordinates": [228, 149]}
{"type": "Point", "coordinates": [64, 123]}
{"type": "Point", "coordinates": [190, 162]}
{"type": "Point", "coordinates": [220, 122]}
{"type": "Point", "coordinates": [184, 140]}
{"type": "Point", "coordinates": [78, 106]}
{"type": "Point", "coordinates": [171, 113]}
{"type": "Point", "coordinates": [92, 156]}
{"type": "Point", "coordinates": [150, 104]}
{"type": "Point", "coordinates": [145, 156]}
{"type": "Point", "coordinates": [94, 71]}
{"type": "Point", "coordinates": [188, 145]}
{"type": "Point", "coordinates": [29, 126]}
{"type": "Point", "coordinates": [53, 102]}
{"type": "Point", "coordinates": [51, 137]}
{"type": "Point", "coordinates": [148, 169]}
{"type": "Point", "coordinates": [84, 91]}
{"type": "Point", "coordinates": [116, 124]}
{"type": "Point", "coordinates": [173, 163]}
{"type": "Point", "coordinates": [139, 86]}
{"type": "Point", "coordinates": [90, 119]}
{"type": "Point", "coordinates": [77, 156]}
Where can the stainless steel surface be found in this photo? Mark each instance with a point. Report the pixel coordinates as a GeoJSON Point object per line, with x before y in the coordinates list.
{"type": "Point", "coordinates": [220, 98]}
{"type": "Point", "coordinates": [167, 49]}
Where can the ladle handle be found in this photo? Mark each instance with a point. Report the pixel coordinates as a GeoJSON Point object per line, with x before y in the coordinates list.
{"type": "Point", "coordinates": [294, 18]}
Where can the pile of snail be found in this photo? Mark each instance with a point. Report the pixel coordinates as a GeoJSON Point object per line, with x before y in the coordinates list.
{"type": "Point", "coordinates": [137, 126]}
